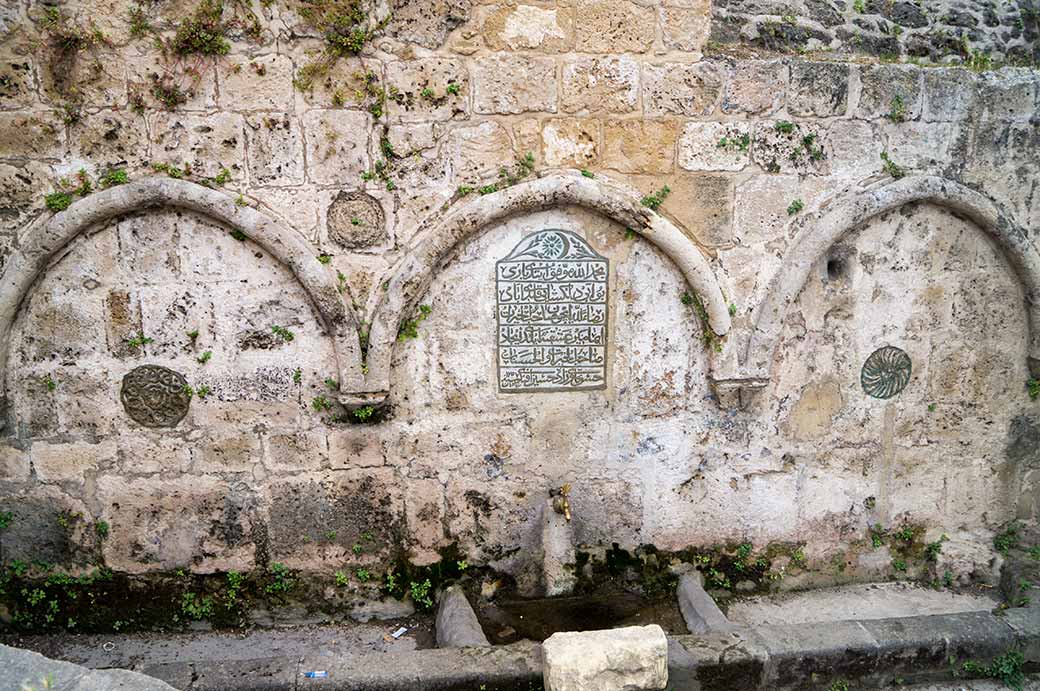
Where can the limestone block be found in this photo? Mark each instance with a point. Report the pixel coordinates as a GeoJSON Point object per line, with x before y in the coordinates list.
{"type": "Point", "coordinates": [600, 85]}
{"type": "Point", "coordinates": [854, 147]}
{"type": "Point", "coordinates": [295, 451]}
{"type": "Point", "coordinates": [785, 147]}
{"type": "Point", "coordinates": [296, 207]}
{"type": "Point", "coordinates": [685, 26]}
{"type": "Point", "coordinates": [95, 80]}
{"type": "Point", "coordinates": [17, 89]}
{"type": "Point", "coordinates": [152, 454]}
{"type": "Point", "coordinates": [530, 27]}
{"type": "Point", "coordinates": [950, 94]}
{"type": "Point", "coordinates": [570, 142]}
{"type": "Point", "coordinates": [195, 521]}
{"type": "Point", "coordinates": [336, 146]}
{"type": "Point", "coordinates": [208, 143]}
{"type": "Point", "coordinates": [424, 510]}
{"type": "Point", "coordinates": [14, 464]}
{"type": "Point", "coordinates": [479, 151]}
{"type": "Point", "coordinates": [639, 146]}
{"type": "Point", "coordinates": [512, 84]}
{"type": "Point", "coordinates": [457, 625]}
{"type": "Point", "coordinates": [702, 204]}
{"type": "Point", "coordinates": [236, 453]}
{"type": "Point", "coordinates": [614, 26]}
{"type": "Point", "coordinates": [20, 187]}
{"type": "Point", "coordinates": [922, 145]}
{"type": "Point", "coordinates": [1009, 94]}
{"type": "Point", "coordinates": [48, 526]}
{"type": "Point", "coordinates": [275, 150]}
{"type": "Point", "coordinates": [145, 64]}
{"type": "Point", "coordinates": [426, 22]}
{"type": "Point", "coordinates": [111, 139]}
{"type": "Point", "coordinates": [675, 88]}
{"type": "Point", "coordinates": [36, 134]}
{"type": "Point", "coordinates": [316, 518]}
{"type": "Point", "coordinates": [423, 90]}
{"type": "Point", "coordinates": [885, 89]}
{"type": "Point", "coordinates": [698, 609]}
{"type": "Point", "coordinates": [756, 87]}
{"type": "Point", "coordinates": [633, 658]}
{"type": "Point", "coordinates": [69, 461]}
{"type": "Point", "coordinates": [715, 146]}
{"type": "Point", "coordinates": [818, 89]}
{"type": "Point", "coordinates": [339, 85]}
{"type": "Point", "coordinates": [262, 82]}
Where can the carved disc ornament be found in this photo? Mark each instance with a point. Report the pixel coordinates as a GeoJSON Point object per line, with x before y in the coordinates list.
{"type": "Point", "coordinates": [155, 396]}
{"type": "Point", "coordinates": [886, 372]}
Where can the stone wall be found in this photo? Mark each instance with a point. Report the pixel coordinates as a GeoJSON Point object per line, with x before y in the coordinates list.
{"type": "Point", "coordinates": [267, 466]}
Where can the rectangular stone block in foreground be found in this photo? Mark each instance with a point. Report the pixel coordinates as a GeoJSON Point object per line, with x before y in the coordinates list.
{"type": "Point", "coordinates": [634, 658]}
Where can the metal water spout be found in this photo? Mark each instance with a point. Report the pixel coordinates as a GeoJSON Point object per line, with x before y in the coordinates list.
{"type": "Point", "coordinates": [558, 555]}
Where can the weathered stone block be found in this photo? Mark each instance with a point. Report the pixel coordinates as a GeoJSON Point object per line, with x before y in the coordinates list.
{"type": "Point", "coordinates": [633, 658]}
{"type": "Point", "coordinates": [818, 89]}
{"type": "Point", "coordinates": [316, 518]}
{"type": "Point", "coordinates": [639, 146]}
{"type": "Point", "coordinates": [715, 146]}
{"type": "Point", "coordinates": [94, 81]}
{"type": "Point", "coordinates": [530, 27]}
{"type": "Point", "coordinates": [14, 464]}
{"type": "Point", "coordinates": [428, 89]}
{"type": "Point", "coordinates": [110, 139]}
{"type": "Point", "coordinates": [198, 521]}
{"type": "Point", "coordinates": [357, 447]}
{"type": "Point", "coordinates": [48, 526]}
{"type": "Point", "coordinates": [336, 146]}
{"type": "Point", "coordinates": [479, 151]}
{"type": "Point", "coordinates": [39, 134]}
{"type": "Point", "coordinates": [145, 66]}
{"type": "Point", "coordinates": [207, 143]}
{"type": "Point", "coordinates": [1009, 94]}
{"type": "Point", "coordinates": [570, 142]}
{"type": "Point", "coordinates": [702, 204]}
{"type": "Point", "coordinates": [426, 22]}
{"type": "Point", "coordinates": [296, 451]}
{"type": "Point", "coordinates": [699, 610]}
{"type": "Point", "coordinates": [70, 461]}
{"type": "Point", "coordinates": [263, 82]}
{"type": "Point", "coordinates": [424, 510]}
{"type": "Point", "coordinates": [152, 454]}
{"type": "Point", "coordinates": [854, 147]}
{"type": "Point", "coordinates": [685, 26]}
{"type": "Point", "coordinates": [755, 87]}
{"type": "Point", "coordinates": [237, 453]}
{"type": "Point", "coordinates": [17, 89]}
{"type": "Point", "coordinates": [921, 145]}
{"type": "Point", "coordinates": [889, 90]}
{"type": "Point", "coordinates": [785, 147]}
{"type": "Point", "coordinates": [20, 187]}
{"type": "Point", "coordinates": [600, 85]}
{"type": "Point", "coordinates": [275, 150]}
{"type": "Point", "coordinates": [614, 26]}
{"type": "Point", "coordinates": [513, 84]}
{"type": "Point", "coordinates": [681, 89]}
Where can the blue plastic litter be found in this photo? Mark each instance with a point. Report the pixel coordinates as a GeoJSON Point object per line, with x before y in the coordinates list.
{"type": "Point", "coordinates": [316, 675]}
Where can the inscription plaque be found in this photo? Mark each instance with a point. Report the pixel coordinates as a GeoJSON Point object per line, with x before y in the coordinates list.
{"type": "Point", "coordinates": [552, 315]}
{"type": "Point", "coordinates": [155, 396]}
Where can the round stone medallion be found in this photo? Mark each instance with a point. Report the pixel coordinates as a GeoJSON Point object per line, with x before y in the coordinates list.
{"type": "Point", "coordinates": [886, 372]}
{"type": "Point", "coordinates": [155, 396]}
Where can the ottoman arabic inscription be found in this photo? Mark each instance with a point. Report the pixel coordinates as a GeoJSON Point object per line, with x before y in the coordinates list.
{"type": "Point", "coordinates": [552, 315]}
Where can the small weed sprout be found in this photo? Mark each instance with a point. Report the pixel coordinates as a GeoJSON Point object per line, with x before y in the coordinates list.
{"type": "Point", "coordinates": [796, 206]}
{"type": "Point", "coordinates": [784, 127]}
{"type": "Point", "coordinates": [708, 336]}
{"type": "Point", "coordinates": [1007, 668]}
{"type": "Point", "coordinates": [1007, 540]}
{"type": "Point", "coordinates": [195, 607]}
{"type": "Point", "coordinates": [897, 111]}
{"type": "Point", "coordinates": [138, 341]}
{"type": "Point", "coordinates": [453, 88]}
{"type": "Point", "coordinates": [890, 166]}
{"type": "Point", "coordinates": [5, 519]}
{"type": "Point", "coordinates": [205, 357]}
{"type": "Point", "coordinates": [342, 580]}
{"type": "Point", "coordinates": [320, 403]}
{"type": "Point", "coordinates": [115, 176]}
{"type": "Point", "coordinates": [297, 375]}
{"type": "Point", "coordinates": [362, 575]}
{"type": "Point", "coordinates": [363, 413]}
{"type": "Point", "coordinates": [283, 333]}
{"type": "Point", "coordinates": [325, 258]}
{"type": "Point", "coordinates": [654, 201]}
{"type": "Point", "coordinates": [585, 172]}
{"type": "Point", "coordinates": [877, 536]}
{"type": "Point", "coordinates": [102, 529]}
{"type": "Point", "coordinates": [281, 579]}
{"type": "Point", "coordinates": [899, 565]}
{"type": "Point", "coordinates": [48, 381]}
{"type": "Point", "coordinates": [1033, 388]}
{"type": "Point", "coordinates": [410, 327]}
{"type": "Point", "coordinates": [57, 201]}
{"type": "Point", "coordinates": [421, 595]}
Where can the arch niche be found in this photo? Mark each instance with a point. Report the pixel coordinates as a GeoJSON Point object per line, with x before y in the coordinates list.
{"type": "Point", "coordinates": [411, 276]}
{"type": "Point", "coordinates": [820, 232]}
{"type": "Point", "coordinates": [46, 240]}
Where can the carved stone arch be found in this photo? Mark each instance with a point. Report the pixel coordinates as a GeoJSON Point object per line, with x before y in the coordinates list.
{"type": "Point", "coordinates": [818, 233]}
{"type": "Point", "coordinates": [413, 273]}
{"type": "Point", "coordinates": [45, 240]}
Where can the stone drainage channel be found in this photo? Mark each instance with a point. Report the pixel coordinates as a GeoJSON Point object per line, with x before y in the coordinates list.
{"type": "Point", "coordinates": [717, 654]}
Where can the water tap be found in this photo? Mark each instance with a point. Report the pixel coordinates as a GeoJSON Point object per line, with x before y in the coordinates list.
{"type": "Point", "coordinates": [561, 500]}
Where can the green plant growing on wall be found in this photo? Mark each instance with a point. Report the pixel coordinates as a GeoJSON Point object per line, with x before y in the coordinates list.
{"type": "Point", "coordinates": [410, 327]}
{"type": "Point", "coordinates": [320, 403]}
{"type": "Point", "coordinates": [585, 172]}
{"type": "Point", "coordinates": [342, 579]}
{"type": "Point", "coordinates": [139, 341]}
{"type": "Point", "coordinates": [325, 258]}
{"type": "Point", "coordinates": [860, 6]}
{"type": "Point", "coordinates": [655, 200]}
{"type": "Point", "coordinates": [346, 26]}
{"type": "Point", "coordinates": [205, 357]}
{"type": "Point", "coordinates": [784, 127]}
{"type": "Point", "coordinates": [796, 206]}
{"type": "Point", "coordinates": [736, 143]}
{"type": "Point", "coordinates": [877, 536]}
{"type": "Point", "coordinates": [421, 595]}
{"type": "Point", "coordinates": [1007, 539]}
{"type": "Point", "coordinates": [1007, 668]}
{"type": "Point", "coordinates": [362, 575]}
{"type": "Point", "coordinates": [708, 337]}
{"type": "Point", "coordinates": [1033, 388]}
{"type": "Point", "coordinates": [195, 607]}
{"type": "Point", "coordinates": [897, 109]}
{"type": "Point", "coordinates": [283, 333]}
{"type": "Point", "coordinates": [5, 519]}
{"type": "Point", "coordinates": [297, 375]}
{"type": "Point", "coordinates": [114, 176]}
{"type": "Point", "coordinates": [57, 201]}
{"type": "Point", "coordinates": [364, 413]}
{"type": "Point", "coordinates": [890, 166]}
{"type": "Point", "coordinates": [102, 529]}
{"type": "Point", "coordinates": [281, 579]}
{"type": "Point", "coordinates": [899, 565]}
{"type": "Point", "coordinates": [65, 40]}
{"type": "Point", "coordinates": [49, 383]}
{"type": "Point", "coordinates": [933, 549]}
